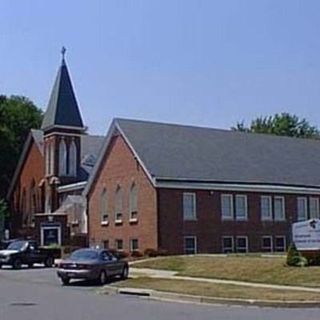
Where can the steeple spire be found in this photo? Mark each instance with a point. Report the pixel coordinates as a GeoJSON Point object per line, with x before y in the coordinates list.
{"type": "Point", "coordinates": [62, 110]}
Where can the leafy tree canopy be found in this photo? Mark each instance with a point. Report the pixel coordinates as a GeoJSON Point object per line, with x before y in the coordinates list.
{"type": "Point", "coordinates": [17, 116]}
{"type": "Point", "coordinates": [281, 124]}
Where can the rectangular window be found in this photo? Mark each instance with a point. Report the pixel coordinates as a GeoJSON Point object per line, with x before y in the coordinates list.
{"type": "Point", "coordinates": [227, 206]}
{"type": "Point", "coordinates": [105, 244]}
{"type": "Point", "coordinates": [279, 208]}
{"type": "Point", "coordinates": [266, 208]}
{"type": "Point", "coordinates": [134, 245]}
{"type": "Point", "coordinates": [242, 244]}
{"type": "Point", "coordinates": [118, 218]}
{"type": "Point", "coordinates": [302, 208]}
{"type": "Point", "coordinates": [119, 244]}
{"type": "Point", "coordinates": [266, 244]}
{"type": "Point", "coordinates": [314, 207]}
{"type": "Point", "coordinates": [189, 206]}
{"type": "Point", "coordinates": [227, 244]}
{"type": "Point", "coordinates": [280, 244]}
{"type": "Point", "coordinates": [241, 207]}
{"type": "Point", "coordinates": [190, 245]}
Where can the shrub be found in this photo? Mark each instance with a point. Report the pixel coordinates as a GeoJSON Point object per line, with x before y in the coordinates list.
{"type": "Point", "coordinates": [136, 254]}
{"type": "Point", "coordinates": [151, 252]}
{"type": "Point", "coordinates": [294, 258]}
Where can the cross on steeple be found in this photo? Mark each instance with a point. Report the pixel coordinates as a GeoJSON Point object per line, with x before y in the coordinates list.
{"type": "Point", "coordinates": [63, 52]}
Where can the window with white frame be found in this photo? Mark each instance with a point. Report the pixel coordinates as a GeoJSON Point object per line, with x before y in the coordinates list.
{"type": "Point", "coordinates": [266, 243]}
{"type": "Point", "coordinates": [266, 208]}
{"type": "Point", "coordinates": [118, 205]}
{"type": "Point", "coordinates": [302, 208]}
{"type": "Point", "coordinates": [279, 208]}
{"type": "Point", "coordinates": [314, 207]}
{"type": "Point", "coordinates": [242, 244]}
{"type": "Point", "coordinates": [62, 158]}
{"type": "Point", "coordinates": [227, 244]}
{"type": "Point", "coordinates": [133, 203]}
{"type": "Point", "coordinates": [52, 154]}
{"type": "Point", "coordinates": [104, 207]}
{"type": "Point", "coordinates": [190, 245]}
{"type": "Point", "coordinates": [241, 207]}
{"type": "Point", "coordinates": [119, 244]}
{"type": "Point", "coordinates": [227, 206]}
{"type": "Point", "coordinates": [134, 245]}
{"type": "Point", "coordinates": [72, 159]}
{"type": "Point", "coordinates": [280, 244]}
{"type": "Point", "coordinates": [189, 206]}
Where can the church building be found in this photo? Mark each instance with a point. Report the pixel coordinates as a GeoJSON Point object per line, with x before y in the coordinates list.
{"type": "Point", "coordinates": [166, 187]}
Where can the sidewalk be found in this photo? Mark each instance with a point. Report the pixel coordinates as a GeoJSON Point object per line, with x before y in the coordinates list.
{"type": "Point", "coordinates": [164, 274]}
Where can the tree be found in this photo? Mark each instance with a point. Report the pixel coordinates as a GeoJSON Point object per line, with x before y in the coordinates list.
{"type": "Point", "coordinates": [3, 214]}
{"type": "Point", "coordinates": [17, 116]}
{"type": "Point", "coordinates": [283, 124]}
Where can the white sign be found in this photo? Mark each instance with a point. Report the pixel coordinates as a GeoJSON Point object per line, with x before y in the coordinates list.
{"type": "Point", "coordinates": [306, 234]}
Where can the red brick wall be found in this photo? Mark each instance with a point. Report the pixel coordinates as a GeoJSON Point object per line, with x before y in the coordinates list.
{"type": "Point", "coordinates": [120, 168]}
{"type": "Point", "coordinates": [209, 228]}
{"type": "Point", "coordinates": [33, 168]}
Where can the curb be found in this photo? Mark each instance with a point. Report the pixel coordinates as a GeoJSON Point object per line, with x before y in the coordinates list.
{"type": "Point", "coordinates": [177, 297]}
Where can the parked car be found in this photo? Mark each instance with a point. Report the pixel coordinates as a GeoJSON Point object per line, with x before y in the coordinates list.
{"type": "Point", "coordinates": [92, 264]}
{"type": "Point", "coordinates": [25, 252]}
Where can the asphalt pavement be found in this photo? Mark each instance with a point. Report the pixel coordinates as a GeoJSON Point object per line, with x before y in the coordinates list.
{"type": "Point", "coordinates": [34, 294]}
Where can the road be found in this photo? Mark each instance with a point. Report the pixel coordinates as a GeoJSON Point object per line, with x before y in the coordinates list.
{"type": "Point", "coordinates": [34, 294]}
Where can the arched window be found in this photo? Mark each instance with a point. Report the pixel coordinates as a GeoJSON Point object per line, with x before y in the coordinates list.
{"type": "Point", "coordinates": [104, 207]}
{"type": "Point", "coordinates": [52, 153]}
{"type": "Point", "coordinates": [47, 152]}
{"type": "Point", "coordinates": [133, 202]}
{"type": "Point", "coordinates": [73, 159]}
{"type": "Point", "coordinates": [23, 208]}
{"type": "Point", "coordinates": [118, 205]}
{"type": "Point", "coordinates": [32, 201]}
{"type": "Point", "coordinates": [62, 158]}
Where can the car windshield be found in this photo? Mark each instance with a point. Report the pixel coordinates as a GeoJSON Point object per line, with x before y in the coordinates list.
{"type": "Point", "coordinates": [18, 245]}
{"type": "Point", "coordinates": [84, 255]}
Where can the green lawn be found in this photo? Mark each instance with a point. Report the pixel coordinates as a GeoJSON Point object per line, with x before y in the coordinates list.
{"type": "Point", "coordinates": [219, 290]}
{"type": "Point", "coordinates": [241, 268]}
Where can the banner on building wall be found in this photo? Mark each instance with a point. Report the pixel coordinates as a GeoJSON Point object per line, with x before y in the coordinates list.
{"type": "Point", "coordinates": [306, 234]}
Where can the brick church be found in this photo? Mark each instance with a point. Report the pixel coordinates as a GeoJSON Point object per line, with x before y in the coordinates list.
{"type": "Point", "coordinates": [149, 185]}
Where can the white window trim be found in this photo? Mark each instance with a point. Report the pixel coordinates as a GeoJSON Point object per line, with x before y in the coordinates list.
{"type": "Point", "coordinates": [271, 243]}
{"type": "Point", "coordinates": [317, 202]}
{"type": "Point", "coordinates": [116, 244]}
{"type": "Point", "coordinates": [284, 242]}
{"type": "Point", "coordinates": [194, 200]}
{"type": "Point", "coordinates": [305, 208]}
{"type": "Point", "coordinates": [283, 208]}
{"type": "Point", "coordinates": [195, 243]}
{"type": "Point", "coordinates": [131, 246]}
{"type": "Point", "coordinates": [245, 206]}
{"type": "Point", "coordinates": [131, 207]}
{"type": "Point", "coordinates": [104, 197]}
{"type": "Point", "coordinates": [232, 243]}
{"type": "Point", "coordinates": [230, 196]}
{"type": "Point", "coordinates": [50, 228]}
{"type": "Point", "coordinates": [247, 243]}
{"type": "Point", "coordinates": [269, 218]}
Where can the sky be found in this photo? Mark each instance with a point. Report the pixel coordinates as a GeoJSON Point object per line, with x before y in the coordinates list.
{"type": "Point", "coordinates": [200, 62]}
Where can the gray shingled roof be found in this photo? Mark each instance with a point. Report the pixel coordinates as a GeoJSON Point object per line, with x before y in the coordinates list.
{"type": "Point", "coordinates": [62, 108]}
{"type": "Point", "coordinates": [204, 154]}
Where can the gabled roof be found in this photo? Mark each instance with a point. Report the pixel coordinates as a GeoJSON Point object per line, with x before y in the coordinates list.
{"type": "Point", "coordinates": [35, 136]}
{"type": "Point", "coordinates": [170, 152]}
{"type": "Point", "coordinates": [62, 108]}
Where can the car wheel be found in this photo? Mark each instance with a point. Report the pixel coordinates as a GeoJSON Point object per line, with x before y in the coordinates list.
{"type": "Point", "coordinates": [0, 265]}
{"type": "Point", "coordinates": [125, 272]}
{"type": "Point", "coordinates": [49, 262]}
{"type": "Point", "coordinates": [16, 264]}
{"type": "Point", "coordinates": [30, 265]}
{"type": "Point", "coordinates": [102, 277]}
{"type": "Point", "coordinates": [65, 281]}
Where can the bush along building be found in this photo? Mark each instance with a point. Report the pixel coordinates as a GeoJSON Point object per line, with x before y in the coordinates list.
{"type": "Point", "coordinates": [45, 193]}
{"type": "Point", "coordinates": [146, 185]}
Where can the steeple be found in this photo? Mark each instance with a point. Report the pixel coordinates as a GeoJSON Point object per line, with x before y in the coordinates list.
{"type": "Point", "coordinates": [62, 110]}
